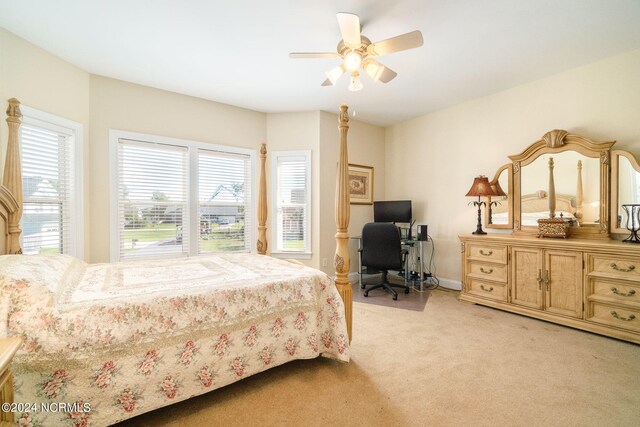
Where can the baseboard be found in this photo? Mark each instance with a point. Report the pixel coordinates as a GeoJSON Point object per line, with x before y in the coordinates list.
{"type": "Point", "coordinates": [455, 285]}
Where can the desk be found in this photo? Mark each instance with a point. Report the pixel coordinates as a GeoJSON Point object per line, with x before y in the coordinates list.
{"type": "Point", "coordinates": [416, 253]}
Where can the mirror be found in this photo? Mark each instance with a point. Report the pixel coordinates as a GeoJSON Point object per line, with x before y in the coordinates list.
{"type": "Point", "coordinates": [577, 188]}
{"type": "Point", "coordinates": [625, 184]}
{"type": "Point", "coordinates": [499, 210]}
{"type": "Point", "coordinates": [581, 185]}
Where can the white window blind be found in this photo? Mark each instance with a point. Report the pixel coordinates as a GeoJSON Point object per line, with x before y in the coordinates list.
{"type": "Point", "coordinates": [153, 208]}
{"type": "Point", "coordinates": [48, 185]}
{"type": "Point", "coordinates": [292, 189]}
{"type": "Point", "coordinates": [179, 198]}
{"type": "Point", "coordinates": [224, 201]}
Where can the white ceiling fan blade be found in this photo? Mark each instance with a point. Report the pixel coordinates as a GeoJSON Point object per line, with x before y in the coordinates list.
{"type": "Point", "coordinates": [396, 44]}
{"type": "Point", "coordinates": [378, 72]}
{"type": "Point", "coordinates": [299, 55]}
{"type": "Point", "coordinates": [350, 29]}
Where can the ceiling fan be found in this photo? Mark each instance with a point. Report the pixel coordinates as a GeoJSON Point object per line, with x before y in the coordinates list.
{"type": "Point", "coordinates": [357, 51]}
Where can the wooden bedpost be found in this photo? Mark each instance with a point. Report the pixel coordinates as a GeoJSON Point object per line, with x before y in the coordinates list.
{"type": "Point", "coordinates": [12, 178]}
{"type": "Point", "coordinates": [261, 244]}
{"type": "Point", "coordinates": [579, 192]}
{"type": "Point", "coordinates": [341, 260]}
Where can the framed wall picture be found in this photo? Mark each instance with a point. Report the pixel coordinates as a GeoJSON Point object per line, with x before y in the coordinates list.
{"type": "Point", "coordinates": [360, 184]}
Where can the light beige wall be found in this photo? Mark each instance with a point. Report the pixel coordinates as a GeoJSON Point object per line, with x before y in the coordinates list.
{"type": "Point", "coordinates": [366, 147]}
{"type": "Point", "coordinates": [45, 82]}
{"type": "Point", "coordinates": [126, 106]}
{"type": "Point", "coordinates": [296, 131]}
{"type": "Point", "coordinates": [433, 159]}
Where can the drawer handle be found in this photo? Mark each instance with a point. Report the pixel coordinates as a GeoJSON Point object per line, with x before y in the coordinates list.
{"type": "Point", "coordinates": [490, 289]}
{"type": "Point", "coordinates": [486, 271]}
{"type": "Point", "coordinates": [626, 319]}
{"type": "Point", "coordinates": [624, 270]}
{"type": "Point", "coordinates": [487, 253]}
{"type": "Point", "coordinates": [631, 293]}
{"type": "Point", "coordinates": [539, 279]}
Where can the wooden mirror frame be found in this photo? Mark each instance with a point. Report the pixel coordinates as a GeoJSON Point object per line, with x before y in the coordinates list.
{"type": "Point", "coordinates": [488, 208]}
{"type": "Point", "coordinates": [557, 141]}
{"type": "Point", "coordinates": [615, 186]}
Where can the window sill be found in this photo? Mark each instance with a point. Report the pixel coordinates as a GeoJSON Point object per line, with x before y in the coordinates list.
{"type": "Point", "coordinates": [292, 255]}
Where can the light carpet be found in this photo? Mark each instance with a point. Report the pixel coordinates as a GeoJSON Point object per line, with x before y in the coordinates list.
{"type": "Point", "coordinates": [452, 364]}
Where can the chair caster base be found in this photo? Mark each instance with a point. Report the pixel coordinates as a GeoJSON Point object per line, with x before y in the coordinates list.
{"type": "Point", "coordinates": [395, 297]}
{"type": "Point", "coordinates": [362, 286]}
{"type": "Point", "coordinates": [366, 294]}
{"type": "Point", "coordinates": [406, 290]}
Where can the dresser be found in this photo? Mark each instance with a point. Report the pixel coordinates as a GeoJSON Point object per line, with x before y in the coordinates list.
{"type": "Point", "coordinates": [592, 285]}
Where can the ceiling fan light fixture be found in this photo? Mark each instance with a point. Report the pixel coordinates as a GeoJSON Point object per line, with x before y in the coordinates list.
{"type": "Point", "coordinates": [373, 70]}
{"type": "Point", "coordinates": [352, 60]}
{"type": "Point", "coordinates": [335, 73]}
{"type": "Point", "coordinates": [356, 83]}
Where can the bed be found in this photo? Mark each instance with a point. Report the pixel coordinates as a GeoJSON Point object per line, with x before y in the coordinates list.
{"type": "Point", "coordinates": [106, 342]}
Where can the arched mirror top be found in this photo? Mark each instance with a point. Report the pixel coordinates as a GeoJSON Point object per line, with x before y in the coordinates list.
{"type": "Point", "coordinates": [557, 141]}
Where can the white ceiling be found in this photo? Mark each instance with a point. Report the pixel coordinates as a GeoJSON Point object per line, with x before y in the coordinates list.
{"type": "Point", "coordinates": [235, 51]}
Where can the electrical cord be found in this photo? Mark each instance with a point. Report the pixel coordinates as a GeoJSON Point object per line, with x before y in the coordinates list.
{"type": "Point", "coordinates": [432, 282]}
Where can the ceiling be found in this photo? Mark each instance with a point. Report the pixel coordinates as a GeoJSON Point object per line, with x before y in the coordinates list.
{"type": "Point", "coordinates": [236, 52]}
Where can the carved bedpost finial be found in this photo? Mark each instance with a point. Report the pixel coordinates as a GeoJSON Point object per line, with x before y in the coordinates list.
{"type": "Point", "coordinates": [344, 115]}
{"type": "Point", "coordinates": [555, 138]}
{"type": "Point", "coordinates": [13, 110]}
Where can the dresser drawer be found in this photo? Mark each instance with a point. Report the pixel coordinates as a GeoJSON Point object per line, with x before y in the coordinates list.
{"type": "Point", "coordinates": [483, 270]}
{"type": "Point", "coordinates": [487, 289]}
{"type": "Point", "coordinates": [611, 315]}
{"type": "Point", "coordinates": [488, 253]}
{"type": "Point", "coordinates": [616, 267]}
{"type": "Point", "coordinates": [617, 292]}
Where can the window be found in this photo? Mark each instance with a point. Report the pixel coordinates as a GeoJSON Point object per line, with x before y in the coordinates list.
{"type": "Point", "coordinates": [292, 201]}
{"type": "Point", "coordinates": [179, 198]}
{"type": "Point", "coordinates": [51, 155]}
{"type": "Point", "coordinates": [223, 201]}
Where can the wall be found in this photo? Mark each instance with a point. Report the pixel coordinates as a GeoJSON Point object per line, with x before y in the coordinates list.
{"type": "Point", "coordinates": [126, 106]}
{"type": "Point", "coordinates": [296, 131]}
{"type": "Point", "coordinates": [433, 159]}
{"type": "Point", "coordinates": [45, 82]}
{"type": "Point", "coordinates": [318, 132]}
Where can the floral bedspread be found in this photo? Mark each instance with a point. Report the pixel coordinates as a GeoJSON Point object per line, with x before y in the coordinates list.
{"type": "Point", "coordinates": [105, 342]}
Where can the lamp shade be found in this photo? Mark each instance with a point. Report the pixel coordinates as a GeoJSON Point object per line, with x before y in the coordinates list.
{"type": "Point", "coordinates": [497, 189]}
{"type": "Point", "coordinates": [481, 187]}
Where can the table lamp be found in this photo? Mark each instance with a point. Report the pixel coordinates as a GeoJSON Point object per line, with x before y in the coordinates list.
{"type": "Point", "coordinates": [481, 188]}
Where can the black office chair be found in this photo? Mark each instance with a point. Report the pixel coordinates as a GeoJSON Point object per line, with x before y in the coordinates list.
{"type": "Point", "coordinates": [381, 250]}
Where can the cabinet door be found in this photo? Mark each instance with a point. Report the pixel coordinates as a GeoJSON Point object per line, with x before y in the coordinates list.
{"type": "Point", "coordinates": [526, 270]}
{"type": "Point", "coordinates": [563, 282]}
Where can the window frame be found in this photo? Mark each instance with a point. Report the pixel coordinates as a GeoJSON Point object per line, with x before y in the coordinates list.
{"type": "Point", "coordinates": [276, 252]}
{"type": "Point", "coordinates": [192, 182]}
{"type": "Point", "coordinates": [74, 130]}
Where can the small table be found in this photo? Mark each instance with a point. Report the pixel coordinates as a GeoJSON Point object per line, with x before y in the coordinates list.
{"type": "Point", "coordinates": [8, 348]}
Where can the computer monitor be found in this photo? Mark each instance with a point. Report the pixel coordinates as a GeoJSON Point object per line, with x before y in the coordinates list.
{"type": "Point", "coordinates": [392, 211]}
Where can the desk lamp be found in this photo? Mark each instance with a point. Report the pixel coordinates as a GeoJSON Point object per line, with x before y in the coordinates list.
{"type": "Point", "coordinates": [480, 188]}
